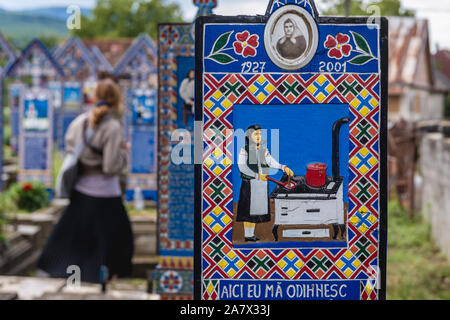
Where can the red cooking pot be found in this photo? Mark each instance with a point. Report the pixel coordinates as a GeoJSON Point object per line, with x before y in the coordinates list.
{"type": "Point", "coordinates": [316, 175]}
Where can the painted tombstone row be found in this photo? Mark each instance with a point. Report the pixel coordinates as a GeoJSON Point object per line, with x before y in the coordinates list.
{"type": "Point", "coordinates": [70, 76]}
{"type": "Point", "coordinates": [33, 105]}
{"type": "Point", "coordinates": [290, 195]}
{"type": "Point", "coordinates": [44, 75]}
{"type": "Point", "coordinates": [138, 65]}
{"type": "Point", "coordinates": [176, 165]}
{"type": "Point", "coordinates": [68, 94]}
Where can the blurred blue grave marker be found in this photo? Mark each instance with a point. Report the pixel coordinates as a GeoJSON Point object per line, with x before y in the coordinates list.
{"type": "Point", "coordinates": [80, 68]}
{"type": "Point", "coordinates": [35, 111]}
{"type": "Point", "coordinates": [176, 180]}
{"type": "Point", "coordinates": [35, 137]}
{"type": "Point", "coordinates": [139, 67]}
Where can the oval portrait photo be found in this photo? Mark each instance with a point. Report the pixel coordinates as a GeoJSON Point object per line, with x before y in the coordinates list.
{"type": "Point", "coordinates": [291, 37]}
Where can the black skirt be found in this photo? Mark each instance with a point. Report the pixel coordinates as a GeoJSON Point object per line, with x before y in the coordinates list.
{"type": "Point", "coordinates": [243, 210]}
{"type": "Point", "coordinates": [91, 233]}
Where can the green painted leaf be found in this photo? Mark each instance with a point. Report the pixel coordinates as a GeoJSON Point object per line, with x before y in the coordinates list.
{"type": "Point", "coordinates": [222, 58]}
{"type": "Point", "coordinates": [361, 59]}
{"type": "Point", "coordinates": [221, 42]}
{"type": "Point", "coordinates": [361, 43]}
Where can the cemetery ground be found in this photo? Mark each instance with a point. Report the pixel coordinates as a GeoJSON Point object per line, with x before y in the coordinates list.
{"type": "Point", "coordinates": [134, 288]}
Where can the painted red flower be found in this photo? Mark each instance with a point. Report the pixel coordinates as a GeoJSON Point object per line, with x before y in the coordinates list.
{"type": "Point", "coordinates": [27, 186]}
{"type": "Point", "coordinates": [246, 44]}
{"type": "Point", "coordinates": [338, 47]}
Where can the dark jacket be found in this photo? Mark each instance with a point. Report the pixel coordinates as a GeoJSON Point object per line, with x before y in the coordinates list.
{"type": "Point", "coordinates": [290, 50]}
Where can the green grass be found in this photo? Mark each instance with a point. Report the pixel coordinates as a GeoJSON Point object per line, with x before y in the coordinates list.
{"type": "Point", "coordinates": [58, 159]}
{"type": "Point", "coordinates": [148, 211]}
{"type": "Point", "coordinates": [415, 268]}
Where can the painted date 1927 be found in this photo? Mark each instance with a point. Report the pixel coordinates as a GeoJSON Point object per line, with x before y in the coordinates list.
{"type": "Point", "coordinates": [253, 67]}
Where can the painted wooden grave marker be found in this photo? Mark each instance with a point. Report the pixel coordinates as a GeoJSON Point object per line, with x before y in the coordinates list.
{"type": "Point", "coordinates": [35, 136]}
{"type": "Point", "coordinates": [139, 65]}
{"type": "Point", "coordinates": [15, 91]}
{"type": "Point", "coordinates": [56, 89]}
{"type": "Point", "coordinates": [7, 54]}
{"type": "Point", "coordinates": [291, 194]}
{"type": "Point", "coordinates": [81, 69]}
{"type": "Point", "coordinates": [35, 143]}
{"type": "Point", "coordinates": [102, 63]}
{"type": "Point", "coordinates": [176, 178]}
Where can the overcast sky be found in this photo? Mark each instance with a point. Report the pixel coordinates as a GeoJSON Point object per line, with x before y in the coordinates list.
{"type": "Point", "coordinates": [437, 11]}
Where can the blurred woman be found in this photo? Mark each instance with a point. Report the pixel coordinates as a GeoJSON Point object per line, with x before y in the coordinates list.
{"type": "Point", "coordinates": [94, 231]}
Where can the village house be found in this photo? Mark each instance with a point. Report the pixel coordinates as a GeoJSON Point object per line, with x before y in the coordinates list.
{"type": "Point", "coordinates": [417, 90]}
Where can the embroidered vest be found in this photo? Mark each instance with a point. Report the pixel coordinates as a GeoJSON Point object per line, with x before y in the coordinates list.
{"type": "Point", "coordinates": [252, 160]}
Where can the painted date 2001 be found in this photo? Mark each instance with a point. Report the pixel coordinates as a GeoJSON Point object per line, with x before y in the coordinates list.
{"type": "Point", "coordinates": [332, 67]}
{"type": "Point", "coordinates": [253, 67]}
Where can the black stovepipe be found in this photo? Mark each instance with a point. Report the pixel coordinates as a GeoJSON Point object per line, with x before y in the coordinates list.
{"type": "Point", "coordinates": [335, 144]}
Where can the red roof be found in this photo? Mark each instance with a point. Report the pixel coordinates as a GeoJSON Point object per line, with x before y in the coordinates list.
{"type": "Point", "coordinates": [442, 62]}
{"type": "Point", "coordinates": [112, 49]}
{"type": "Point", "coordinates": [409, 53]}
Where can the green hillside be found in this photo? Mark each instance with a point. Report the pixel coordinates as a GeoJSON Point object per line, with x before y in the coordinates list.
{"type": "Point", "coordinates": [53, 12]}
{"type": "Point", "coordinates": [21, 28]}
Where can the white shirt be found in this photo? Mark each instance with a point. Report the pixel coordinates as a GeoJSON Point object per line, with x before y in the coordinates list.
{"type": "Point", "coordinates": [187, 90]}
{"type": "Point", "coordinates": [243, 167]}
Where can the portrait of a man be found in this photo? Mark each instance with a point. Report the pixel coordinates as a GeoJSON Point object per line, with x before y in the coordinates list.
{"type": "Point", "coordinates": [293, 44]}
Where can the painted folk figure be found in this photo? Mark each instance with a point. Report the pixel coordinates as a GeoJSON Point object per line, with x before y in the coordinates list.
{"type": "Point", "coordinates": [187, 93]}
{"type": "Point", "coordinates": [254, 164]}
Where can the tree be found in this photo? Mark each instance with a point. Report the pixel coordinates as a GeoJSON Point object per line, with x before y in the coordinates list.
{"type": "Point", "coordinates": [338, 7]}
{"type": "Point", "coordinates": [127, 18]}
{"type": "Point", "coordinates": [360, 8]}
{"type": "Point", "coordinates": [50, 40]}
